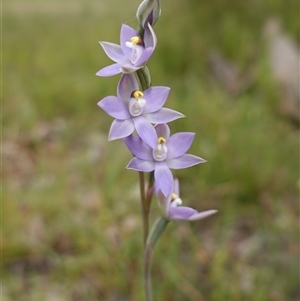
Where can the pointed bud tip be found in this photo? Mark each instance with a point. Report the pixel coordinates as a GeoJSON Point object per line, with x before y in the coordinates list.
{"type": "Point", "coordinates": [148, 11]}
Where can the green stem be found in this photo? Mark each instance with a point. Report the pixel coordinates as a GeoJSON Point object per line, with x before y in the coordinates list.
{"type": "Point", "coordinates": [147, 273]}
{"type": "Point", "coordinates": [149, 193]}
{"type": "Point", "coordinates": [157, 229]}
{"type": "Point", "coordinates": [145, 211]}
{"type": "Point", "coordinates": [146, 198]}
{"type": "Point", "coordinates": [144, 78]}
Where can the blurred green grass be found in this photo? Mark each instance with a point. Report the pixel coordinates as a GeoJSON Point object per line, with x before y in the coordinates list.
{"type": "Point", "coordinates": [71, 221]}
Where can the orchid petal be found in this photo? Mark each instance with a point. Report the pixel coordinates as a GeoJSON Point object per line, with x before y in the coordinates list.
{"type": "Point", "coordinates": [164, 202]}
{"type": "Point", "coordinates": [128, 68]}
{"type": "Point", "coordinates": [181, 212]}
{"type": "Point", "coordinates": [187, 213]}
{"type": "Point", "coordinates": [113, 51]}
{"type": "Point", "coordinates": [126, 86]}
{"type": "Point", "coordinates": [137, 53]}
{"type": "Point", "coordinates": [109, 70]}
{"type": "Point", "coordinates": [114, 107]}
{"type": "Point", "coordinates": [163, 130]}
{"type": "Point", "coordinates": [140, 165]}
{"type": "Point", "coordinates": [163, 115]}
{"type": "Point", "coordinates": [163, 178]}
{"type": "Point", "coordinates": [176, 188]}
{"type": "Point", "coordinates": [145, 130]}
{"type": "Point", "coordinates": [150, 39]}
{"type": "Point", "coordinates": [144, 56]}
{"type": "Point", "coordinates": [184, 161]}
{"type": "Point", "coordinates": [120, 129]}
{"type": "Point", "coordinates": [139, 148]}
{"type": "Point", "coordinates": [125, 36]}
{"type": "Point", "coordinates": [203, 214]}
{"type": "Point", "coordinates": [178, 144]}
{"type": "Point", "coordinates": [156, 98]}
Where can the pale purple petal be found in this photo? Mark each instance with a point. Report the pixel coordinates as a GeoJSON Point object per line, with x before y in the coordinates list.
{"type": "Point", "coordinates": [125, 36]}
{"type": "Point", "coordinates": [150, 39]}
{"type": "Point", "coordinates": [203, 214]}
{"type": "Point", "coordinates": [141, 165]}
{"type": "Point", "coordinates": [139, 148]}
{"type": "Point", "coordinates": [113, 51]}
{"type": "Point", "coordinates": [137, 53]}
{"type": "Point", "coordinates": [184, 161]}
{"type": "Point", "coordinates": [156, 98]}
{"type": "Point", "coordinates": [144, 57]}
{"type": "Point", "coordinates": [163, 115]}
{"type": "Point", "coordinates": [145, 130]}
{"type": "Point", "coordinates": [176, 189]}
{"type": "Point", "coordinates": [187, 213]}
{"type": "Point", "coordinates": [120, 129]}
{"type": "Point", "coordinates": [181, 212]}
{"type": "Point", "coordinates": [114, 107]}
{"type": "Point", "coordinates": [129, 68]}
{"type": "Point", "coordinates": [109, 70]}
{"type": "Point", "coordinates": [126, 86]}
{"type": "Point", "coordinates": [163, 130]}
{"type": "Point", "coordinates": [178, 144]}
{"type": "Point", "coordinates": [163, 178]}
{"type": "Point", "coordinates": [164, 202]}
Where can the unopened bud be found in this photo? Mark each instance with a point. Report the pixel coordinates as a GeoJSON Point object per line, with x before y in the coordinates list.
{"type": "Point", "coordinates": [148, 12]}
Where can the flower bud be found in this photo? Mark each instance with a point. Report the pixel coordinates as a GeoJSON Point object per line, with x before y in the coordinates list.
{"type": "Point", "coordinates": [148, 12]}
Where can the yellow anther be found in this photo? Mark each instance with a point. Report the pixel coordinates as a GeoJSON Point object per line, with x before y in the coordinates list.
{"type": "Point", "coordinates": [161, 140]}
{"type": "Point", "coordinates": [137, 94]}
{"type": "Point", "coordinates": [136, 40]}
{"type": "Point", "coordinates": [174, 196]}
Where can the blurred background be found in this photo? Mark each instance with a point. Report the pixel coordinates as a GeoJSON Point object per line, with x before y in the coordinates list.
{"type": "Point", "coordinates": [71, 212]}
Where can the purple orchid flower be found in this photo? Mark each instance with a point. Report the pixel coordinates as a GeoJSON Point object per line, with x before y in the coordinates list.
{"type": "Point", "coordinates": [164, 153]}
{"type": "Point", "coordinates": [173, 210]}
{"type": "Point", "coordinates": [134, 109]}
{"type": "Point", "coordinates": [132, 53]}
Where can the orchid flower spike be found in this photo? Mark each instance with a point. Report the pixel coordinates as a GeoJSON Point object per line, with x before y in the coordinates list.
{"type": "Point", "coordinates": [132, 53]}
{"type": "Point", "coordinates": [161, 154]}
{"type": "Point", "coordinates": [137, 110]}
{"type": "Point", "coordinates": [172, 209]}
